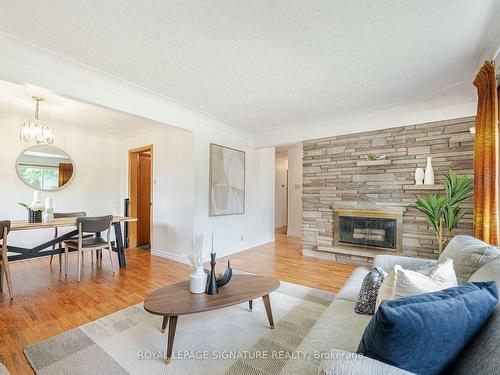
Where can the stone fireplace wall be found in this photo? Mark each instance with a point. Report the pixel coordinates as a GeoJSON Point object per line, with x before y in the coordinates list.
{"type": "Point", "coordinates": [337, 175]}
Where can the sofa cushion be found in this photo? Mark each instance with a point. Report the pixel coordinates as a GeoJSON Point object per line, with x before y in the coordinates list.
{"type": "Point", "coordinates": [481, 356]}
{"type": "Point", "coordinates": [350, 289]}
{"type": "Point", "coordinates": [488, 272]}
{"type": "Point", "coordinates": [403, 283]}
{"type": "Point", "coordinates": [367, 298]}
{"type": "Point", "coordinates": [424, 333]}
{"type": "Point", "coordinates": [343, 363]}
{"type": "Point", "coordinates": [337, 328]}
{"type": "Point", "coordinates": [387, 262]}
{"type": "Point", "coordinates": [468, 254]}
{"type": "Point", "coordinates": [3, 369]}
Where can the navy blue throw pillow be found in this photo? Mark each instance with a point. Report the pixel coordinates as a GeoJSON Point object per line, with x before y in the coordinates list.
{"type": "Point", "coordinates": [423, 334]}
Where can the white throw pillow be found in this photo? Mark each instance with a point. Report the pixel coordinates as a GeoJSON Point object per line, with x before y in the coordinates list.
{"type": "Point", "coordinates": [403, 283]}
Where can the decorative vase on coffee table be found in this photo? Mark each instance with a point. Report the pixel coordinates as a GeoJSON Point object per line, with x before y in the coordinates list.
{"type": "Point", "coordinates": [198, 281]}
{"type": "Point", "coordinates": [429, 172]}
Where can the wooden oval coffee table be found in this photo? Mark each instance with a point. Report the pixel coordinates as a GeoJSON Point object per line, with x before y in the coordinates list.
{"type": "Point", "coordinates": [174, 300]}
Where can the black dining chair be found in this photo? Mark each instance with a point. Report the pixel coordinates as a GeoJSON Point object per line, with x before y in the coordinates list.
{"type": "Point", "coordinates": [58, 215]}
{"type": "Point", "coordinates": [94, 225]}
{"type": "Point", "coordinates": [4, 261]}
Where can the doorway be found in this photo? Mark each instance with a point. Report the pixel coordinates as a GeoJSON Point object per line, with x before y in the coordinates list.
{"type": "Point", "coordinates": [140, 161]}
{"type": "Point", "coordinates": [281, 191]}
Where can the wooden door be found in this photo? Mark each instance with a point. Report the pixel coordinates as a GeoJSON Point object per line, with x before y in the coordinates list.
{"type": "Point", "coordinates": [144, 199]}
{"type": "Point", "coordinates": [140, 195]}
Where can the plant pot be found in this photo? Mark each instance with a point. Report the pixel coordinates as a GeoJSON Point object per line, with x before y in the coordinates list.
{"type": "Point", "coordinates": [34, 216]}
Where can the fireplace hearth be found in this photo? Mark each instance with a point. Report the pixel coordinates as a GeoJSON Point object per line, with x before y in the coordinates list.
{"type": "Point", "coordinates": [368, 230]}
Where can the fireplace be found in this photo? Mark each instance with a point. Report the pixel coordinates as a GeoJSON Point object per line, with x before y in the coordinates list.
{"type": "Point", "coordinates": [368, 230]}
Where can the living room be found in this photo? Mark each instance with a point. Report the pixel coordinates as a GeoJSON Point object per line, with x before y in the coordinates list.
{"type": "Point", "coordinates": [278, 188]}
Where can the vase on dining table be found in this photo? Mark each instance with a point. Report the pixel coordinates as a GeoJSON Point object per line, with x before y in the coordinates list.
{"type": "Point", "coordinates": [34, 216]}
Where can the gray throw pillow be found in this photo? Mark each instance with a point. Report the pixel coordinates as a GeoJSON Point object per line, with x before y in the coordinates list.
{"type": "Point", "coordinates": [468, 255]}
{"type": "Point", "coordinates": [367, 298]}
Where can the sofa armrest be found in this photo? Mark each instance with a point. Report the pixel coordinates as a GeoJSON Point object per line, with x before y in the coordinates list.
{"type": "Point", "coordinates": [346, 363]}
{"type": "Point", "coordinates": [3, 369]}
{"type": "Point", "coordinates": [386, 262]}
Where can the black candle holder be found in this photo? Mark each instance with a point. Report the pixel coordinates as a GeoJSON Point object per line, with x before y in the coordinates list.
{"type": "Point", "coordinates": [212, 281]}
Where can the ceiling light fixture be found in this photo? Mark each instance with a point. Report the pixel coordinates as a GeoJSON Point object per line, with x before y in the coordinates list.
{"type": "Point", "coordinates": [36, 131]}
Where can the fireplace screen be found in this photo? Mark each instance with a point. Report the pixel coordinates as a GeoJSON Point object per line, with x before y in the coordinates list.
{"type": "Point", "coordinates": [368, 231]}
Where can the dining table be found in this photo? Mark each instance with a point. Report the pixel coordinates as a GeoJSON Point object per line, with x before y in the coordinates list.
{"type": "Point", "coordinates": [50, 248]}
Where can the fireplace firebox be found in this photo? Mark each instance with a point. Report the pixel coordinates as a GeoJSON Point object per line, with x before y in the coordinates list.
{"type": "Point", "coordinates": [372, 230]}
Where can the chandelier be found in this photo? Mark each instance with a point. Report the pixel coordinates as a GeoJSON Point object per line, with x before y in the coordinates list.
{"type": "Point", "coordinates": [36, 131]}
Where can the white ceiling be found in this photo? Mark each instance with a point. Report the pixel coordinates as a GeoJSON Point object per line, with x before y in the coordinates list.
{"type": "Point", "coordinates": [268, 64]}
{"type": "Point", "coordinates": [16, 101]}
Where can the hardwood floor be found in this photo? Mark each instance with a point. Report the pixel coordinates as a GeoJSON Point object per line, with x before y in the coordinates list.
{"type": "Point", "coordinates": [45, 304]}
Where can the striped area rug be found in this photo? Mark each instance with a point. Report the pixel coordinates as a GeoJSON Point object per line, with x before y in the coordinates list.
{"type": "Point", "coordinates": [228, 341]}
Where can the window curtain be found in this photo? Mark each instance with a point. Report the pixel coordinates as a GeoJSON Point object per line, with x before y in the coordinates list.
{"type": "Point", "coordinates": [65, 173]}
{"type": "Point", "coordinates": [486, 153]}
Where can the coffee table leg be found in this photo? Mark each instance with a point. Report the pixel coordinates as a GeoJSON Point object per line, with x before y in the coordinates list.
{"type": "Point", "coordinates": [250, 305]}
{"type": "Point", "coordinates": [267, 304]}
{"type": "Point", "coordinates": [164, 324]}
{"type": "Point", "coordinates": [172, 324]}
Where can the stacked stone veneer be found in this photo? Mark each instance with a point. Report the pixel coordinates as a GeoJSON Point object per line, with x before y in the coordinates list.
{"type": "Point", "coordinates": [337, 175]}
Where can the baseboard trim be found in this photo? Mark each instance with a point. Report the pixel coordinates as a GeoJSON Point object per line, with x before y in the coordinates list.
{"type": "Point", "coordinates": [294, 233]}
{"type": "Point", "coordinates": [220, 254]}
{"type": "Point", "coordinates": [169, 255]}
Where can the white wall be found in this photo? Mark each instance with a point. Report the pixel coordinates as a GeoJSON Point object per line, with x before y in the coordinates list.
{"type": "Point", "coordinates": [173, 177]}
{"type": "Point", "coordinates": [180, 196]}
{"type": "Point", "coordinates": [95, 187]}
{"type": "Point", "coordinates": [256, 225]}
{"type": "Point", "coordinates": [295, 191]}
{"type": "Point", "coordinates": [281, 186]}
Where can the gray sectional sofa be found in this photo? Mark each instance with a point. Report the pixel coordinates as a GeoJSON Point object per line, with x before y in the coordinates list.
{"type": "Point", "coordinates": [339, 330]}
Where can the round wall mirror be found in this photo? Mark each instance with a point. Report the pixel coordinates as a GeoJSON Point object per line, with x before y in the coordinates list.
{"type": "Point", "coordinates": [45, 167]}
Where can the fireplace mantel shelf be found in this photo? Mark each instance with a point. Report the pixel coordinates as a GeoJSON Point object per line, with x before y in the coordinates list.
{"type": "Point", "coordinates": [423, 187]}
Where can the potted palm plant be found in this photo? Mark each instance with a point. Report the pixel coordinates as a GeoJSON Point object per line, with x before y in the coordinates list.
{"type": "Point", "coordinates": [443, 213]}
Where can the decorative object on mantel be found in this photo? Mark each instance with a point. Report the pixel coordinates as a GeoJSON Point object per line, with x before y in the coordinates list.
{"type": "Point", "coordinates": [429, 172]}
{"type": "Point", "coordinates": [36, 130]}
{"type": "Point", "coordinates": [419, 176]}
{"type": "Point", "coordinates": [212, 282]}
{"type": "Point", "coordinates": [373, 157]}
{"type": "Point", "coordinates": [443, 213]}
{"type": "Point", "coordinates": [198, 280]}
